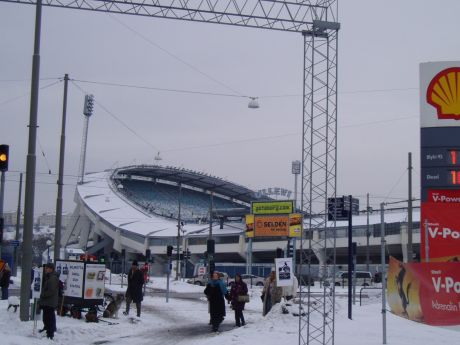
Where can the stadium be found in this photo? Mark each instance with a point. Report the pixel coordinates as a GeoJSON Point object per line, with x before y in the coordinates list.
{"type": "Point", "coordinates": [128, 211]}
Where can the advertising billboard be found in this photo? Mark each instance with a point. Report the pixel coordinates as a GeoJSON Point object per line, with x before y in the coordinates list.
{"type": "Point", "coordinates": [440, 160]}
{"type": "Point", "coordinates": [295, 225]}
{"type": "Point", "coordinates": [425, 292]}
{"type": "Point", "coordinates": [441, 210]}
{"type": "Point", "coordinates": [271, 226]}
{"type": "Point", "coordinates": [272, 207]}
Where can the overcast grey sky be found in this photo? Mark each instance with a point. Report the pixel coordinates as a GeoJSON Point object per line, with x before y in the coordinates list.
{"type": "Point", "coordinates": [381, 44]}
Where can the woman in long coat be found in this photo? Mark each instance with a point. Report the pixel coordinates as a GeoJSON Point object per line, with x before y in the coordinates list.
{"type": "Point", "coordinates": [271, 293]}
{"type": "Point", "coordinates": [215, 291]}
{"type": "Point", "coordinates": [239, 288]}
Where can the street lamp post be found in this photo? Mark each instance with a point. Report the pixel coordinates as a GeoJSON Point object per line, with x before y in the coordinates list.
{"type": "Point", "coordinates": [48, 243]}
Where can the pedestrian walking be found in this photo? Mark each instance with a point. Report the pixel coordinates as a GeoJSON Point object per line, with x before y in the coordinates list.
{"type": "Point", "coordinates": [215, 291]}
{"type": "Point", "coordinates": [5, 276]}
{"type": "Point", "coordinates": [49, 300]}
{"type": "Point", "coordinates": [238, 298]}
{"type": "Point", "coordinates": [271, 294]}
{"type": "Point", "coordinates": [134, 290]}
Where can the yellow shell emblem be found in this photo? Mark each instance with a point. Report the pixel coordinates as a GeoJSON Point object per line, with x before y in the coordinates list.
{"type": "Point", "coordinates": [444, 93]}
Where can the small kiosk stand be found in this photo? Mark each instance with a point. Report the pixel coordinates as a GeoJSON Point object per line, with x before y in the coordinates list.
{"type": "Point", "coordinates": [83, 285]}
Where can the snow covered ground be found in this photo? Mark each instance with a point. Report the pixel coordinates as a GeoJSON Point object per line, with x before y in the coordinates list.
{"type": "Point", "coordinates": [184, 321]}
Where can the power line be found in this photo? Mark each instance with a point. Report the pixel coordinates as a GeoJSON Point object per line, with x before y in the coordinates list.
{"type": "Point", "coordinates": [27, 94]}
{"type": "Point", "coordinates": [174, 56]}
{"type": "Point", "coordinates": [158, 88]}
{"type": "Point", "coordinates": [119, 120]}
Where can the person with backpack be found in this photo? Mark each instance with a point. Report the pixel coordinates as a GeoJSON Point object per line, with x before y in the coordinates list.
{"type": "Point", "coordinates": [215, 291]}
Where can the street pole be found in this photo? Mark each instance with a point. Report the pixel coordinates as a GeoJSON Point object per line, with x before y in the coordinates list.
{"type": "Point", "coordinates": [18, 223]}
{"type": "Point", "coordinates": [210, 231]}
{"type": "Point", "coordinates": [30, 172]}
{"type": "Point", "coordinates": [296, 169]}
{"type": "Point", "coordinates": [60, 182]}
{"type": "Point", "coordinates": [368, 234]}
{"type": "Point", "coordinates": [178, 233]}
{"type": "Point", "coordinates": [382, 269]}
{"type": "Point", "coordinates": [2, 195]}
{"type": "Point", "coordinates": [409, 213]}
{"type": "Point", "coordinates": [350, 256]}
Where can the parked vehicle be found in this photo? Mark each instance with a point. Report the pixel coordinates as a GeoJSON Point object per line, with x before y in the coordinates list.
{"type": "Point", "coordinates": [363, 278]}
{"type": "Point", "coordinates": [202, 279]}
{"type": "Point", "coordinates": [253, 279]}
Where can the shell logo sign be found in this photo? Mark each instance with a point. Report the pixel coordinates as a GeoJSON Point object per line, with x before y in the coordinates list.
{"type": "Point", "coordinates": [443, 93]}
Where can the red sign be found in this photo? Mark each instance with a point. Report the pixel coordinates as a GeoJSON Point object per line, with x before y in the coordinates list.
{"type": "Point", "coordinates": [441, 210]}
{"type": "Point", "coordinates": [425, 292]}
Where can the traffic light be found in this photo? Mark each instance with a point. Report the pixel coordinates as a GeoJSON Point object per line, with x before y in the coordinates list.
{"type": "Point", "coordinates": [169, 250]}
{"type": "Point", "coordinates": [188, 254]}
{"type": "Point", "coordinates": [148, 253]}
{"type": "Point", "coordinates": [211, 246]}
{"type": "Point", "coordinates": [89, 105]}
{"type": "Point", "coordinates": [212, 266]}
{"type": "Point", "coordinates": [290, 250]}
{"type": "Point", "coordinates": [4, 157]}
{"type": "Point", "coordinates": [279, 253]}
{"type": "Point", "coordinates": [123, 253]}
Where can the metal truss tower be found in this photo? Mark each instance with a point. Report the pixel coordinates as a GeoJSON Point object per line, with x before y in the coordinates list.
{"type": "Point", "coordinates": [317, 21]}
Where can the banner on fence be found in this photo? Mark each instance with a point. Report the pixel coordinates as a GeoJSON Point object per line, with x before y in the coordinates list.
{"type": "Point", "coordinates": [425, 292]}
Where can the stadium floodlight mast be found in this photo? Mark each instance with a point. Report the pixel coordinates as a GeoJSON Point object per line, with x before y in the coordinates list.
{"type": "Point", "coordinates": [317, 21]}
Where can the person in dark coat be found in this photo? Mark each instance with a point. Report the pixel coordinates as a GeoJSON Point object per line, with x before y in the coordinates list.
{"type": "Point", "coordinates": [49, 299]}
{"type": "Point", "coordinates": [239, 288]}
{"type": "Point", "coordinates": [134, 290]}
{"type": "Point", "coordinates": [215, 291]}
{"type": "Point", "coordinates": [5, 275]}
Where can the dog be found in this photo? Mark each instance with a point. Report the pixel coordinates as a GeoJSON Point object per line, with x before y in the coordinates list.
{"type": "Point", "coordinates": [13, 302]}
{"type": "Point", "coordinates": [113, 307]}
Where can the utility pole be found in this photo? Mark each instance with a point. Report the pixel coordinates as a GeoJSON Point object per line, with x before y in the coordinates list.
{"type": "Point", "coordinates": [30, 172]}
{"type": "Point", "coordinates": [409, 213]}
{"type": "Point", "coordinates": [60, 181]}
{"type": "Point", "coordinates": [18, 223]}
{"type": "Point", "coordinates": [368, 233]}
{"type": "Point", "coordinates": [382, 269]}
{"type": "Point", "coordinates": [350, 253]}
{"type": "Point", "coordinates": [178, 233]}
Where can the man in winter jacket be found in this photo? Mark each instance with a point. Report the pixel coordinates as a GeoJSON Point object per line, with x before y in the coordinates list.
{"type": "Point", "coordinates": [134, 290]}
{"type": "Point", "coordinates": [49, 299]}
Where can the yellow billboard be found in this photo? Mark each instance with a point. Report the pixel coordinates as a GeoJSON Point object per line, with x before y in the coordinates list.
{"type": "Point", "coordinates": [250, 225]}
{"type": "Point", "coordinates": [272, 207]}
{"type": "Point", "coordinates": [295, 225]}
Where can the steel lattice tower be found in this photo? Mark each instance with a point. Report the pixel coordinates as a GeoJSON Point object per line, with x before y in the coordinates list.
{"type": "Point", "coordinates": [317, 21]}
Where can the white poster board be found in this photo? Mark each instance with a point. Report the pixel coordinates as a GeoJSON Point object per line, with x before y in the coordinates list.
{"type": "Point", "coordinates": [94, 281]}
{"type": "Point", "coordinates": [71, 275]}
{"type": "Point", "coordinates": [37, 282]}
{"type": "Point", "coordinates": [284, 272]}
